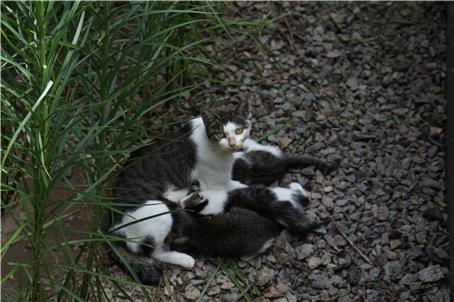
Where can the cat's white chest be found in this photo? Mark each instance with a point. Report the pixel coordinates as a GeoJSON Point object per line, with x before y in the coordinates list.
{"type": "Point", "coordinates": [213, 171]}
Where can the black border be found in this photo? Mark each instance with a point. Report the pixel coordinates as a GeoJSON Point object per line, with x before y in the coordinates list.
{"type": "Point", "coordinates": [450, 134]}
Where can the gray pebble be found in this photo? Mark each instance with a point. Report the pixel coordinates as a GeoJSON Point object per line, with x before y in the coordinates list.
{"type": "Point", "coordinates": [304, 251]}
{"type": "Point", "coordinates": [432, 273]}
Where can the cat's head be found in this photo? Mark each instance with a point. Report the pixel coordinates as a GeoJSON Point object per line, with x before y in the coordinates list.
{"type": "Point", "coordinates": [228, 129]}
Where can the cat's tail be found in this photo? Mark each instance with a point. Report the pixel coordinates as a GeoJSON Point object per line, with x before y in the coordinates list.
{"type": "Point", "coordinates": [302, 161]}
{"type": "Point", "coordinates": [146, 268]}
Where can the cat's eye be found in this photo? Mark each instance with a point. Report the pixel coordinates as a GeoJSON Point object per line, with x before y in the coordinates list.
{"type": "Point", "coordinates": [219, 135]}
{"type": "Point", "coordinates": [239, 130]}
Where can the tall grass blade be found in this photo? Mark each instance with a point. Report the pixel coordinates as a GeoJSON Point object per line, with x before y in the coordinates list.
{"type": "Point", "coordinates": [25, 120]}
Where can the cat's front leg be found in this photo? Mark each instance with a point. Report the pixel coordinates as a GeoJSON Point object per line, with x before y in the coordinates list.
{"type": "Point", "coordinates": [250, 145]}
{"type": "Point", "coordinates": [238, 154]}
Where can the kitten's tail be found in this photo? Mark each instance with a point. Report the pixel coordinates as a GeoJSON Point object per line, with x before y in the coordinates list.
{"type": "Point", "coordinates": [146, 268]}
{"type": "Point", "coordinates": [301, 162]}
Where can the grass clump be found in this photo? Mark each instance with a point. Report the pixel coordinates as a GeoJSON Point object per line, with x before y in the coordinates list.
{"type": "Point", "coordinates": [78, 78]}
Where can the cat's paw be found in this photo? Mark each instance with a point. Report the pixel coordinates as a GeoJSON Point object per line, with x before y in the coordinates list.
{"type": "Point", "coordinates": [186, 261]}
{"type": "Point", "coordinates": [248, 143]}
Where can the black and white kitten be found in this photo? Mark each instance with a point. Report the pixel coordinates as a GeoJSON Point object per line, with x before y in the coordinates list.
{"type": "Point", "coordinates": [283, 205]}
{"type": "Point", "coordinates": [265, 164]}
{"type": "Point", "coordinates": [237, 233]}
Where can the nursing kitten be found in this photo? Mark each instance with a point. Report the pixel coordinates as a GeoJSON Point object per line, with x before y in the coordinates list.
{"type": "Point", "coordinates": [237, 233]}
{"type": "Point", "coordinates": [262, 164]}
{"type": "Point", "coordinates": [283, 205]}
{"type": "Point", "coordinates": [203, 152]}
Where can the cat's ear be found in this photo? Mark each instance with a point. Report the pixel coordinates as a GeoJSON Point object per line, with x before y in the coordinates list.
{"type": "Point", "coordinates": [208, 116]}
{"type": "Point", "coordinates": [242, 109]}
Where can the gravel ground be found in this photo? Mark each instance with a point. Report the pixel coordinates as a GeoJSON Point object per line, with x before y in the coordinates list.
{"type": "Point", "coordinates": [360, 81]}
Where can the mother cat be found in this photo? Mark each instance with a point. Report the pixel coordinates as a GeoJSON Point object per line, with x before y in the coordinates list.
{"type": "Point", "coordinates": [203, 153]}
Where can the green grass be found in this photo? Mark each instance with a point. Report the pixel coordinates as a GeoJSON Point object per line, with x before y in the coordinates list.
{"type": "Point", "coordinates": [231, 270]}
{"type": "Point", "coordinates": [78, 81]}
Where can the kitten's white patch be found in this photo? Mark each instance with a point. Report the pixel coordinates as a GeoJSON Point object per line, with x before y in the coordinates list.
{"type": "Point", "coordinates": [216, 201]}
{"type": "Point", "coordinates": [155, 227]}
{"type": "Point", "coordinates": [250, 145]}
{"type": "Point", "coordinates": [285, 194]}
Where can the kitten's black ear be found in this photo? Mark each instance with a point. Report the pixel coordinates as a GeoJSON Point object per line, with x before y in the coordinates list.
{"type": "Point", "coordinates": [242, 109]}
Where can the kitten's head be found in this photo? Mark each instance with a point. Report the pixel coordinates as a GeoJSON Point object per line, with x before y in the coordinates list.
{"type": "Point", "coordinates": [228, 129]}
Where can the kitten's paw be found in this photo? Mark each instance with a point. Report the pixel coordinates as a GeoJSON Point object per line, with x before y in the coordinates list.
{"type": "Point", "coordinates": [186, 261]}
{"type": "Point", "coordinates": [194, 202]}
{"type": "Point", "coordinates": [297, 187]}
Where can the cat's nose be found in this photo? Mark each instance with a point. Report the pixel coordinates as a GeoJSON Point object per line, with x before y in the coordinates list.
{"type": "Point", "coordinates": [232, 142]}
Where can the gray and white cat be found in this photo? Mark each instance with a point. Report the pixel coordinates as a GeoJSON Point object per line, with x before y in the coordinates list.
{"type": "Point", "coordinates": [203, 152]}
